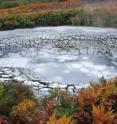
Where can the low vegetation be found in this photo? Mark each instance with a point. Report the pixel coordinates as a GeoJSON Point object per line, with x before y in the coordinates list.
{"type": "Point", "coordinates": [96, 104]}
{"type": "Point", "coordinates": [68, 12]}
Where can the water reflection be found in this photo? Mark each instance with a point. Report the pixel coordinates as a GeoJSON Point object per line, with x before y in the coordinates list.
{"type": "Point", "coordinates": [80, 59]}
{"type": "Point", "coordinates": [79, 69]}
{"type": "Point", "coordinates": [67, 68]}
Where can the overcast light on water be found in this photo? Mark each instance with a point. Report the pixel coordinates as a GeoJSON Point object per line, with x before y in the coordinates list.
{"type": "Point", "coordinates": [59, 65]}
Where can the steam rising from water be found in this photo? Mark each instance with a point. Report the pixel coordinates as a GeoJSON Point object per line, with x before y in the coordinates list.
{"type": "Point", "coordinates": [60, 65]}
{"type": "Point", "coordinates": [67, 68]}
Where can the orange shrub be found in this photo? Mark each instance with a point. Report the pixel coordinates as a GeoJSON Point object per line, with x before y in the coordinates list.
{"type": "Point", "coordinates": [37, 7]}
{"type": "Point", "coordinates": [88, 96]}
{"type": "Point", "coordinates": [102, 117]}
{"type": "Point", "coordinates": [62, 120]}
{"type": "Point", "coordinates": [23, 110]}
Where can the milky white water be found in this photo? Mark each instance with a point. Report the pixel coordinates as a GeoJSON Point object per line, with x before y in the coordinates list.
{"type": "Point", "coordinates": [62, 68]}
{"type": "Point", "coordinates": [49, 65]}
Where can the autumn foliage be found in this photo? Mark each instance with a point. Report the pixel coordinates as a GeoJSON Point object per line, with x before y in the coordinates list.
{"type": "Point", "coordinates": [96, 104]}
{"type": "Point", "coordinates": [37, 7]}
{"type": "Point", "coordinates": [69, 12]}
{"type": "Point", "coordinates": [101, 116]}
{"type": "Point", "coordinates": [63, 120]}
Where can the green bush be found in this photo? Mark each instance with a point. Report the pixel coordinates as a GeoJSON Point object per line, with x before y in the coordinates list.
{"type": "Point", "coordinates": [49, 0]}
{"type": "Point", "coordinates": [8, 4]}
{"type": "Point", "coordinates": [11, 94]}
{"type": "Point", "coordinates": [58, 18]}
{"type": "Point", "coordinates": [95, 18]}
{"type": "Point", "coordinates": [68, 103]}
{"type": "Point", "coordinates": [38, 19]}
{"type": "Point", "coordinates": [80, 17]}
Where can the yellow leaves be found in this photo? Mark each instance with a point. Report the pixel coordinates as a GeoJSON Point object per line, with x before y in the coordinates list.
{"type": "Point", "coordinates": [81, 102]}
{"type": "Point", "coordinates": [52, 119]}
{"type": "Point", "coordinates": [22, 110]}
{"type": "Point", "coordinates": [37, 7]}
{"type": "Point", "coordinates": [62, 120]}
{"type": "Point", "coordinates": [65, 120]}
{"type": "Point", "coordinates": [98, 111]}
{"type": "Point", "coordinates": [97, 93]}
{"type": "Point", "coordinates": [100, 116]}
{"type": "Point", "coordinates": [25, 104]}
{"type": "Point", "coordinates": [109, 89]}
{"type": "Point", "coordinates": [89, 95]}
{"type": "Point", "coordinates": [29, 103]}
{"type": "Point", "coordinates": [103, 95]}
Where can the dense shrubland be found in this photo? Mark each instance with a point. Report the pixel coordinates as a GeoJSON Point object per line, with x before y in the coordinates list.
{"type": "Point", "coordinates": [58, 13]}
{"type": "Point", "coordinates": [97, 17]}
{"type": "Point", "coordinates": [96, 104]}
{"type": "Point", "coordinates": [15, 3]}
{"type": "Point", "coordinates": [36, 19]}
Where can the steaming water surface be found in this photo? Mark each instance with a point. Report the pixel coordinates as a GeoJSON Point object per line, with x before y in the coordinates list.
{"type": "Point", "coordinates": [60, 65]}
{"type": "Point", "coordinates": [62, 68]}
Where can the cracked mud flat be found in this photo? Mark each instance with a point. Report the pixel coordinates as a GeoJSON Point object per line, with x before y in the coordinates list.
{"type": "Point", "coordinates": [69, 55]}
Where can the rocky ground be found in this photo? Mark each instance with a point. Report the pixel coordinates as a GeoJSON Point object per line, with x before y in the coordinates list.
{"type": "Point", "coordinates": [61, 45]}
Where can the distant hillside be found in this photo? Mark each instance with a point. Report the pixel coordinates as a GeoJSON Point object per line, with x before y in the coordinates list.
{"type": "Point", "coordinates": [15, 3]}
{"type": "Point", "coordinates": [100, 13]}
